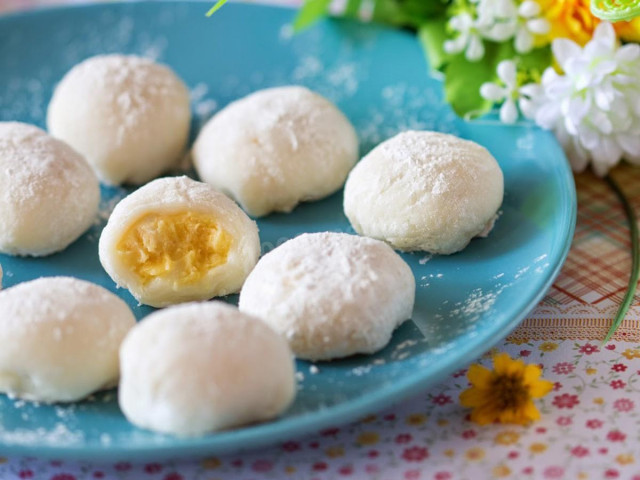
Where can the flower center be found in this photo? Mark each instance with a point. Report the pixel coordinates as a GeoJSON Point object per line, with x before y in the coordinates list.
{"type": "Point", "coordinates": [509, 391]}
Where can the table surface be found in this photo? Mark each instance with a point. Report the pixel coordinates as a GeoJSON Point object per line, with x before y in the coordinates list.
{"type": "Point", "coordinates": [590, 426]}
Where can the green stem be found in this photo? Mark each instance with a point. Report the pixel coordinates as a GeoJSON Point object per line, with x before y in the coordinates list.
{"type": "Point", "coordinates": [216, 7]}
{"type": "Point", "coordinates": [635, 258]}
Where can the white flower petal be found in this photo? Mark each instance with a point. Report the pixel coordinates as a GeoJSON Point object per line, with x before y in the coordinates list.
{"type": "Point", "coordinates": [456, 45]}
{"type": "Point", "coordinates": [493, 92]}
{"type": "Point", "coordinates": [564, 49]}
{"type": "Point", "coordinates": [475, 50]}
{"type": "Point", "coordinates": [604, 34]}
{"type": "Point", "coordinates": [524, 41]}
{"type": "Point", "coordinates": [548, 115]}
{"type": "Point", "coordinates": [539, 26]}
{"type": "Point", "coordinates": [532, 90]}
{"type": "Point", "coordinates": [630, 144]}
{"type": "Point", "coordinates": [507, 72]}
{"type": "Point", "coordinates": [509, 112]}
{"type": "Point", "coordinates": [529, 9]}
{"type": "Point", "coordinates": [628, 53]}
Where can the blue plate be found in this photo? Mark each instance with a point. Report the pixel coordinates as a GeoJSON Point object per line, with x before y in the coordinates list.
{"type": "Point", "coordinates": [465, 302]}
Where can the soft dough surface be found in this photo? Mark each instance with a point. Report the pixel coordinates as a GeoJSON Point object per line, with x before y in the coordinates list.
{"type": "Point", "coordinates": [48, 194]}
{"type": "Point", "coordinates": [127, 115]}
{"type": "Point", "coordinates": [424, 191]}
{"type": "Point", "coordinates": [331, 294]}
{"type": "Point", "coordinates": [60, 338]}
{"type": "Point", "coordinates": [276, 148]}
{"type": "Point", "coordinates": [178, 240]}
{"type": "Point", "coordinates": [199, 367]}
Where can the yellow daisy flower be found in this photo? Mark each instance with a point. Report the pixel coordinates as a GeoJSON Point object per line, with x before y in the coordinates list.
{"type": "Point", "coordinates": [505, 394]}
{"type": "Point", "coordinates": [416, 419]}
{"type": "Point", "coordinates": [501, 471]}
{"type": "Point", "coordinates": [507, 438]}
{"type": "Point", "coordinates": [474, 454]}
{"type": "Point", "coordinates": [598, 401]}
{"type": "Point", "coordinates": [631, 353]}
{"type": "Point", "coordinates": [591, 371]}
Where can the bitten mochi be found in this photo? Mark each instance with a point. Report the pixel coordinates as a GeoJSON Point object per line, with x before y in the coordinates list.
{"type": "Point", "coordinates": [177, 240]}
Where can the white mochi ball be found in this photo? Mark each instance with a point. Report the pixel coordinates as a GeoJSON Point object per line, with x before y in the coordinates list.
{"type": "Point", "coordinates": [178, 240]}
{"type": "Point", "coordinates": [60, 338]}
{"type": "Point", "coordinates": [127, 115]}
{"type": "Point", "coordinates": [276, 148]}
{"type": "Point", "coordinates": [331, 294]}
{"type": "Point", "coordinates": [49, 195]}
{"type": "Point", "coordinates": [200, 367]}
{"type": "Point", "coordinates": [425, 191]}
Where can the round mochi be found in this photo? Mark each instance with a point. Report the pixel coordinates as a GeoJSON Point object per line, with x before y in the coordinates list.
{"type": "Point", "coordinates": [276, 148]}
{"type": "Point", "coordinates": [200, 367]}
{"type": "Point", "coordinates": [177, 240]}
{"type": "Point", "coordinates": [331, 294]}
{"type": "Point", "coordinates": [49, 195]}
{"type": "Point", "coordinates": [425, 191]}
{"type": "Point", "coordinates": [60, 338]}
{"type": "Point", "coordinates": [127, 115]}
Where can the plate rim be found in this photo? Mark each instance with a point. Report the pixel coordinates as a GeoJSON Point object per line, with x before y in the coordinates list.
{"type": "Point", "coordinates": [270, 433]}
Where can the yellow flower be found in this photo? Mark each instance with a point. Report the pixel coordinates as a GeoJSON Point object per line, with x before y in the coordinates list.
{"type": "Point", "coordinates": [474, 454]}
{"type": "Point", "coordinates": [507, 437]}
{"type": "Point", "coordinates": [569, 19]}
{"type": "Point", "coordinates": [449, 452]}
{"type": "Point", "coordinates": [537, 447]}
{"type": "Point", "coordinates": [547, 347]}
{"type": "Point", "coordinates": [334, 452]}
{"type": "Point", "coordinates": [631, 353]}
{"type": "Point", "coordinates": [442, 422]}
{"type": "Point", "coordinates": [628, 31]}
{"type": "Point", "coordinates": [598, 400]}
{"type": "Point", "coordinates": [501, 471]}
{"type": "Point", "coordinates": [505, 394]}
{"type": "Point", "coordinates": [625, 459]}
{"type": "Point", "coordinates": [367, 438]}
{"type": "Point", "coordinates": [591, 371]}
{"type": "Point", "coordinates": [211, 463]}
{"type": "Point", "coordinates": [416, 419]}
{"type": "Point", "coordinates": [289, 469]}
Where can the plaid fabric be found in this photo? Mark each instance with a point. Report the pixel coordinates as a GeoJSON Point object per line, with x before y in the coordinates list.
{"type": "Point", "coordinates": [593, 281]}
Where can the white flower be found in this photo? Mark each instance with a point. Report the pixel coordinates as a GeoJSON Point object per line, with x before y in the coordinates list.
{"type": "Point", "coordinates": [530, 24]}
{"type": "Point", "coordinates": [497, 19]}
{"type": "Point", "coordinates": [468, 39]}
{"type": "Point", "coordinates": [594, 106]}
{"type": "Point", "coordinates": [509, 93]}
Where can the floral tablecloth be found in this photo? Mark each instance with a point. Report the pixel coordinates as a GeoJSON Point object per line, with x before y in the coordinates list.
{"type": "Point", "coordinates": [590, 426]}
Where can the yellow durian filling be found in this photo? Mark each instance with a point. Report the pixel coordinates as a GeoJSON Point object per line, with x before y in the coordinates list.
{"type": "Point", "coordinates": [179, 248]}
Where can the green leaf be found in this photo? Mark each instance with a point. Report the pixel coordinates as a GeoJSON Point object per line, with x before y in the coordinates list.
{"type": "Point", "coordinates": [635, 259]}
{"type": "Point", "coordinates": [353, 8]}
{"type": "Point", "coordinates": [216, 7]}
{"type": "Point", "coordinates": [464, 78]}
{"type": "Point", "coordinates": [432, 35]}
{"type": "Point", "coordinates": [311, 12]}
{"type": "Point", "coordinates": [408, 13]}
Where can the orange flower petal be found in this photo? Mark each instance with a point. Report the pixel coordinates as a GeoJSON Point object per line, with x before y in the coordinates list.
{"type": "Point", "coordinates": [540, 388]}
{"type": "Point", "coordinates": [472, 397]}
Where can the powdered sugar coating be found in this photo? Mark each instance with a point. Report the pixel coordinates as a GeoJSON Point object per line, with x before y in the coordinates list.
{"type": "Point", "coordinates": [331, 294]}
{"type": "Point", "coordinates": [200, 367]}
{"type": "Point", "coordinates": [275, 148]}
{"type": "Point", "coordinates": [60, 338]}
{"type": "Point", "coordinates": [177, 195]}
{"type": "Point", "coordinates": [424, 191]}
{"type": "Point", "coordinates": [48, 194]}
{"type": "Point", "coordinates": [127, 115]}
